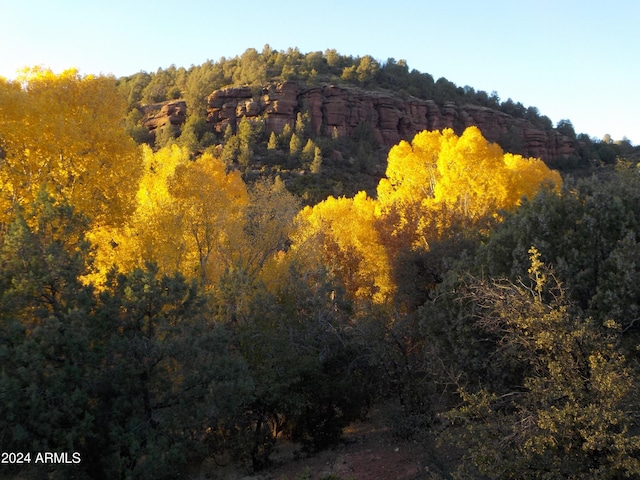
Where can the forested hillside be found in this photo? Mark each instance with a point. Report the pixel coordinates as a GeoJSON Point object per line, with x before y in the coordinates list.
{"type": "Point", "coordinates": [352, 108]}
{"type": "Point", "coordinates": [198, 294]}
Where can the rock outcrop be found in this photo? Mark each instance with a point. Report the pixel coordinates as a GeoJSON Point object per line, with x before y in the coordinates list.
{"type": "Point", "coordinates": [341, 109]}
{"type": "Point", "coordinates": [160, 114]}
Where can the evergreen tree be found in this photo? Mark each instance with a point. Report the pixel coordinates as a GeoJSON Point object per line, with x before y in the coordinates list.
{"type": "Point", "coordinates": [295, 145]}
{"type": "Point", "coordinates": [302, 124]}
{"type": "Point", "coordinates": [273, 142]}
{"type": "Point", "coordinates": [231, 150]}
{"type": "Point", "coordinates": [308, 151]}
{"type": "Point", "coordinates": [316, 164]}
{"type": "Point", "coordinates": [134, 379]}
{"type": "Point", "coordinates": [48, 365]}
{"type": "Point", "coordinates": [166, 135]}
{"type": "Point", "coordinates": [247, 139]}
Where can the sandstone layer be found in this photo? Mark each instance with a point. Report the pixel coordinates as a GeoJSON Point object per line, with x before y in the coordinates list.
{"type": "Point", "coordinates": [341, 109]}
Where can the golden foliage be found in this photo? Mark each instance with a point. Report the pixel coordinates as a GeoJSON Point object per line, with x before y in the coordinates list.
{"type": "Point", "coordinates": [343, 230]}
{"type": "Point", "coordinates": [64, 133]}
{"type": "Point", "coordinates": [186, 215]}
{"type": "Point", "coordinates": [440, 179]}
{"type": "Point", "coordinates": [211, 205]}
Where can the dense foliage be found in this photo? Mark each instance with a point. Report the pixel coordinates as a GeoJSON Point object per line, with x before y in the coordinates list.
{"type": "Point", "coordinates": [163, 306]}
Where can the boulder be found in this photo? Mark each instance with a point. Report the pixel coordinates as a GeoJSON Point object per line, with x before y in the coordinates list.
{"type": "Point", "coordinates": [160, 114]}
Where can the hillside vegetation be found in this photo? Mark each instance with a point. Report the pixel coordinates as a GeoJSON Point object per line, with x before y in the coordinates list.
{"type": "Point", "coordinates": [352, 162]}
{"type": "Point", "coordinates": [165, 305]}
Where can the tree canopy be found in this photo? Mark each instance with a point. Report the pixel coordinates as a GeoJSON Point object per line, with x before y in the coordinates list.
{"type": "Point", "coordinates": [63, 133]}
{"type": "Point", "coordinates": [435, 184]}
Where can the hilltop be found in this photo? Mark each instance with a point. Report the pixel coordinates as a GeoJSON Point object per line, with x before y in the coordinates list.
{"type": "Point", "coordinates": [353, 108]}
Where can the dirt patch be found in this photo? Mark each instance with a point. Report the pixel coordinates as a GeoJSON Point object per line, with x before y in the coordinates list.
{"type": "Point", "coordinates": [369, 451]}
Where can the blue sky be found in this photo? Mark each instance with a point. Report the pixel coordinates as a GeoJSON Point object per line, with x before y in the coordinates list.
{"type": "Point", "coordinates": [572, 59]}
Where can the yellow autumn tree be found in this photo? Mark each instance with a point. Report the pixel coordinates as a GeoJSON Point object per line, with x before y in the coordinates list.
{"type": "Point", "coordinates": [343, 232]}
{"type": "Point", "coordinates": [434, 185]}
{"type": "Point", "coordinates": [441, 179]}
{"type": "Point", "coordinates": [153, 231]}
{"type": "Point", "coordinates": [187, 215]}
{"type": "Point", "coordinates": [211, 205]}
{"type": "Point", "coordinates": [64, 133]}
{"type": "Point", "coordinates": [411, 178]}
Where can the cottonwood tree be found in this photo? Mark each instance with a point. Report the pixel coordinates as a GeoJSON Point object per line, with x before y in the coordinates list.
{"type": "Point", "coordinates": [64, 133]}
{"type": "Point", "coordinates": [438, 185]}
{"type": "Point", "coordinates": [210, 204]}
{"type": "Point", "coordinates": [343, 232]}
{"type": "Point", "coordinates": [187, 215]}
{"type": "Point", "coordinates": [441, 179]}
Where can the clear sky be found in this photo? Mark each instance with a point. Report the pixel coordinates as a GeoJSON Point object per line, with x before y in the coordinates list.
{"type": "Point", "coordinates": [572, 59]}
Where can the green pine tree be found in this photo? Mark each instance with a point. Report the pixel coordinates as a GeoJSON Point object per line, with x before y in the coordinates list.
{"type": "Point", "coordinates": [316, 164]}
{"type": "Point", "coordinates": [295, 145]}
{"type": "Point", "coordinates": [273, 142]}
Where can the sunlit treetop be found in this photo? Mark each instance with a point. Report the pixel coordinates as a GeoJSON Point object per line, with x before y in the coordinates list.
{"type": "Point", "coordinates": [63, 132]}
{"type": "Point", "coordinates": [438, 182]}
{"type": "Point", "coordinates": [441, 177]}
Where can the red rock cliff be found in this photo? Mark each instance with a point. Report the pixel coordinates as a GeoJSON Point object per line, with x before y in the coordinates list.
{"type": "Point", "coordinates": [340, 108]}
